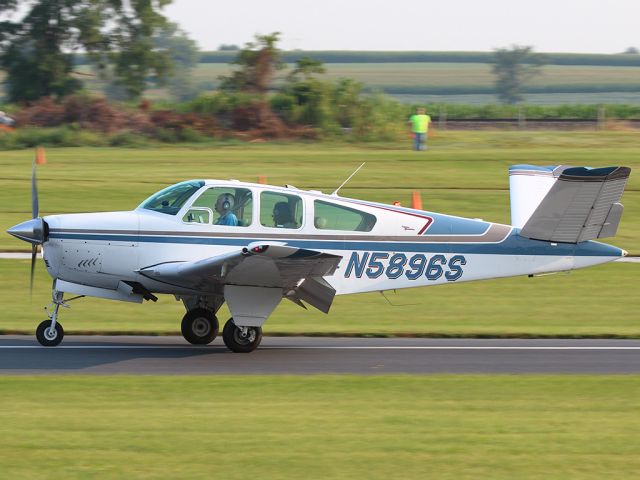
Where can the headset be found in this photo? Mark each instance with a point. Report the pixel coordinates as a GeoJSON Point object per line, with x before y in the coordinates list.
{"type": "Point", "coordinates": [225, 202]}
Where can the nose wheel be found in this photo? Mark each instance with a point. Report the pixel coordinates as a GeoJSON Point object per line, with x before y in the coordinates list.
{"type": "Point", "coordinates": [49, 334]}
{"type": "Point", "coordinates": [241, 339]}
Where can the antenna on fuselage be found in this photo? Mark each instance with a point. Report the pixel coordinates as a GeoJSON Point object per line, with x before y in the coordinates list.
{"type": "Point", "coordinates": [348, 178]}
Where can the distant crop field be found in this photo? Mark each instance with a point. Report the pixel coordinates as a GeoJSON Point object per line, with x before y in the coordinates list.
{"type": "Point", "coordinates": [386, 75]}
{"type": "Point", "coordinates": [441, 82]}
{"type": "Point", "coordinates": [448, 78]}
{"type": "Point", "coordinates": [346, 56]}
{"type": "Point", "coordinates": [600, 98]}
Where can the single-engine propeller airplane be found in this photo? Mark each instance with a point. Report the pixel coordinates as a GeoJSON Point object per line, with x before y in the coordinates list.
{"type": "Point", "coordinates": [211, 241]}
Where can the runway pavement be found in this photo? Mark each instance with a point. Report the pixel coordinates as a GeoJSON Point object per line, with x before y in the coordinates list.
{"type": "Point", "coordinates": [302, 355]}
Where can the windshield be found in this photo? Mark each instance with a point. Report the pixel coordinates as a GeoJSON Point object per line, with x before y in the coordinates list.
{"type": "Point", "coordinates": [171, 199]}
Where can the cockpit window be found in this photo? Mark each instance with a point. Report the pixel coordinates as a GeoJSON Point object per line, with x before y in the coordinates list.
{"type": "Point", "coordinates": [329, 216]}
{"type": "Point", "coordinates": [171, 199]}
{"type": "Point", "coordinates": [227, 206]}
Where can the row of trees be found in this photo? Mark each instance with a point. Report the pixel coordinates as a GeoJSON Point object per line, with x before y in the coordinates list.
{"type": "Point", "coordinates": [131, 44]}
{"type": "Point", "coordinates": [37, 50]}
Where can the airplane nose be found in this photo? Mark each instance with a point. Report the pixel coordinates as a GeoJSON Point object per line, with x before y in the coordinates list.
{"type": "Point", "coordinates": [32, 231]}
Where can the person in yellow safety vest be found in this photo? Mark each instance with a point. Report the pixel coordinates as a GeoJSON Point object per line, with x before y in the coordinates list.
{"type": "Point", "coordinates": [420, 127]}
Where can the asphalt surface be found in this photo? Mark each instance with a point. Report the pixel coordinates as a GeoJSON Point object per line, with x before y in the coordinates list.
{"type": "Point", "coordinates": [301, 355]}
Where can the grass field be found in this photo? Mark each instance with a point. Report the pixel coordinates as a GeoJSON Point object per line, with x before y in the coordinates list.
{"type": "Point", "coordinates": [464, 173]}
{"type": "Point", "coordinates": [600, 301]}
{"type": "Point", "coordinates": [445, 427]}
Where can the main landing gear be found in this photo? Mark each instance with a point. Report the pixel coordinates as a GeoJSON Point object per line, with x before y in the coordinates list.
{"type": "Point", "coordinates": [241, 339]}
{"type": "Point", "coordinates": [199, 326]}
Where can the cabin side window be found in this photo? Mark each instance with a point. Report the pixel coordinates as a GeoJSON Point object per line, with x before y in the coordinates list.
{"type": "Point", "coordinates": [280, 210]}
{"type": "Point", "coordinates": [329, 216]}
{"type": "Point", "coordinates": [225, 206]}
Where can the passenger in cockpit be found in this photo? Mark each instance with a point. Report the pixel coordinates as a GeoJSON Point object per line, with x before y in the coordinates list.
{"type": "Point", "coordinates": [282, 217]}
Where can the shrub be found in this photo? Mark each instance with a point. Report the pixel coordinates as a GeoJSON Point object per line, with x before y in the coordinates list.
{"type": "Point", "coordinates": [67, 136]}
{"type": "Point", "coordinates": [128, 139]}
{"type": "Point", "coordinates": [88, 112]}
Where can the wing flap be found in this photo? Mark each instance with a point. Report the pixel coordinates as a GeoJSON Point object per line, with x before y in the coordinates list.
{"type": "Point", "coordinates": [266, 265]}
{"type": "Point", "coordinates": [579, 206]}
{"type": "Point", "coordinates": [316, 292]}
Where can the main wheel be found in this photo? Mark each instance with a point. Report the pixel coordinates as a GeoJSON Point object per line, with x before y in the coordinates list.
{"type": "Point", "coordinates": [199, 326]}
{"type": "Point", "coordinates": [47, 336]}
{"type": "Point", "coordinates": [241, 340]}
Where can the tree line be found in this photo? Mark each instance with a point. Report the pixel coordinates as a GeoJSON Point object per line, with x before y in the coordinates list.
{"type": "Point", "coordinates": [132, 45]}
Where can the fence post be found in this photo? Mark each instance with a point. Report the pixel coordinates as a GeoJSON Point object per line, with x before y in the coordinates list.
{"type": "Point", "coordinates": [442, 118]}
{"type": "Point", "coordinates": [522, 121]}
{"type": "Point", "coordinates": [601, 117]}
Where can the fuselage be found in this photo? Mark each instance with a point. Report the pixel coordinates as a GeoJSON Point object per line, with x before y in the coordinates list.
{"type": "Point", "coordinates": [390, 248]}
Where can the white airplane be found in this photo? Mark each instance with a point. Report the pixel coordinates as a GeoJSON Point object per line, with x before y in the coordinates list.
{"type": "Point", "coordinates": [212, 241]}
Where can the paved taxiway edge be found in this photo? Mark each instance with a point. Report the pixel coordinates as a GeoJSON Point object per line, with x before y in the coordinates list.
{"type": "Point", "coordinates": [304, 355]}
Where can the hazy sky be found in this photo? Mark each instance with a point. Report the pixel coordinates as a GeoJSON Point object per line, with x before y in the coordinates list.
{"type": "Point", "coordinates": [548, 25]}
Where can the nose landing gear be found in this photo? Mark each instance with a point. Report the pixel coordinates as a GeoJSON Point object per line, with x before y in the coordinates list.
{"type": "Point", "coordinates": [50, 333]}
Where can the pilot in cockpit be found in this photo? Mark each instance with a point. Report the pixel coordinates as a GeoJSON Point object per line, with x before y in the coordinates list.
{"type": "Point", "coordinates": [224, 206]}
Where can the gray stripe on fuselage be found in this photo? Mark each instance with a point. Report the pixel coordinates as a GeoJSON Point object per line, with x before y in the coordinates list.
{"type": "Point", "coordinates": [495, 233]}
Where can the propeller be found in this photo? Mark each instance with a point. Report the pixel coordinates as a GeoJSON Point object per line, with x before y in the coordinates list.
{"type": "Point", "coordinates": [34, 192]}
{"type": "Point", "coordinates": [34, 230]}
{"type": "Point", "coordinates": [34, 214]}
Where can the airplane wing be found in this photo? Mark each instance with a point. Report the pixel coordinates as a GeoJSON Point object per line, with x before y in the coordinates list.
{"type": "Point", "coordinates": [582, 204]}
{"type": "Point", "coordinates": [297, 271]}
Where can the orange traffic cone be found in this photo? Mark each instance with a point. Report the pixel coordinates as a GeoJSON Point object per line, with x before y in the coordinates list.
{"type": "Point", "coordinates": [262, 179]}
{"type": "Point", "coordinates": [41, 159]}
{"type": "Point", "coordinates": [416, 201]}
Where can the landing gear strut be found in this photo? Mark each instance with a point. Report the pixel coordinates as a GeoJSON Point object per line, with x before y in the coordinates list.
{"type": "Point", "coordinates": [241, 339]}
{"type": "Point", "coordinates": [50, 333]}
{"type": "Point", "coordinates": [199, 326]}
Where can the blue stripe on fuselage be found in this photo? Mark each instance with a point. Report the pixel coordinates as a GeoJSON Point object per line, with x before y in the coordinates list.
{"type": "Point", "coordinates": [512, 245]}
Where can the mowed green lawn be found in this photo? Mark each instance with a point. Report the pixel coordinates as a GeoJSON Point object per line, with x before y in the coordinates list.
{"type": "Point", "coordinates": [464, 173]}
{"type": "Point", "coordinates": [600, 301]}
{"type": "Point", "coordinates": [379, 427]}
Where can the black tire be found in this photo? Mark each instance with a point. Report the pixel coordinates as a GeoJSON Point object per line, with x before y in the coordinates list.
{"type": "Point", "coordinates": [199, 326]}
{"type": "Point", "coordinates": [233, 339]}
{"type": "Point", "coordinates": [48, 338]}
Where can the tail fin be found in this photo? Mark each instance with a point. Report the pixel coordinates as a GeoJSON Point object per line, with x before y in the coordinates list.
{"type": "Point", "coordinates": [567, 204]}
{"type": "Point", "coordinates": [528, 185]}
